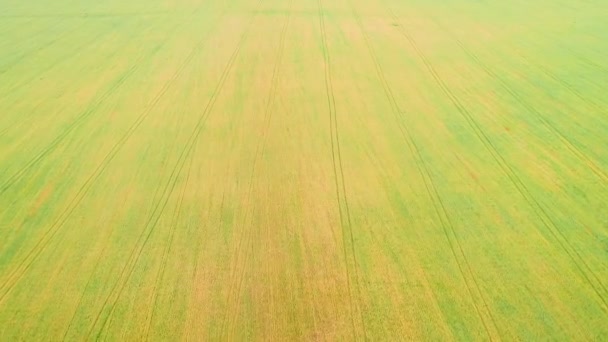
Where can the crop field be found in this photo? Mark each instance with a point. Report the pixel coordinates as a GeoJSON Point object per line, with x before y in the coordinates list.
{"type": "Point", "coordinates": [303, 170]}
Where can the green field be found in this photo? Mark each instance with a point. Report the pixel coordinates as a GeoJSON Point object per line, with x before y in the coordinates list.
{"type": "Point", "coordinates": [303, 170]}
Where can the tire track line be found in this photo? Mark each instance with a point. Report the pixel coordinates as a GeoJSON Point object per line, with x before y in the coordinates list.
{"type": "Point", "coordinates": [18, 272]}
{"type": "Point", "coordinates": [269, 110]}
{"type": "Point", "coordinates": [485, 314]}
{"type": "Point", "coordinates": [92, 108]}
{"type": "Point", "coordinates": [168, 189]}
{"type": "Point", "coordinates": [30, 121]}
{"type": "Point", "coordinates": [195, 272]}
{"type": "Point", "coordinates": [71, 54]}
{"type": "Point", "coordinates": [309, 265]}
{"type": "Point", "coordinates": [593, 63]}
{"type": "Point", "coordinates": [90, 278]}
{"type": "Point", "coordinates": [345, 217]}
{"type": "Point", "coordinates": [384, 242]}
{"type": "Point", "coordinates": [33, 51]}
{"type": "Point", "coordinates": [562, 137]}
{"type": "Point", "coordinates": [161, 272]}
{"type": "Point", "coordinates": [260, 148]}
{"type": "Point", "coordinates": [585, 272]}
{"type": "Point", "coordinates": [18, 55]}
{"type": "Point", "coordinates": [21, 120]}
{"type": "Point", "coordinates": [236, 276]}
{"type": "Point", "coordinates": [569, 145]}
{"type": "Point", "coordinates": [168, 247]}
{"type": "Point", "coordinates": [32, 36]}
{"type": "Point", "coordinates": [563, 83]}
{"type": "Point", "coordinates": [599, 107]}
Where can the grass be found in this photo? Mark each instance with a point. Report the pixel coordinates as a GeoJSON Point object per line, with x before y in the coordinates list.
{"type": "Point", "coordinates": [311, 170]}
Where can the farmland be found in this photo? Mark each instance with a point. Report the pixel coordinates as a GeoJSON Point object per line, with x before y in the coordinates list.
{"type": "Point", "coordinates": [303, 170]}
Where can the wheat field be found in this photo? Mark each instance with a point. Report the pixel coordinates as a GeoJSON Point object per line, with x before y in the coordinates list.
{"type": "Point", "coordinates": [303, 170]}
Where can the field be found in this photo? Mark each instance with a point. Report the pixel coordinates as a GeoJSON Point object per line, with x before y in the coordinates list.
{"type": "Point", "coordinates": [303, 170]}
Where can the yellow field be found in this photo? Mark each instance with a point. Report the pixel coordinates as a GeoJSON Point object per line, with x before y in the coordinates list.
{"type": "Point", "coordinates": [303, 170]}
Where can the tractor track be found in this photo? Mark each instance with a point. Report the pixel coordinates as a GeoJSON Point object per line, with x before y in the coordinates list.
{"type": "Point", "coordinates": [90, 278]}
{"type": "Point", "coordinates": [598, 171]}
{"type": "Point", "coordinates": [80, 119]}
{"type": "Point", "coordinates": [17, 273]}
{"type": "Point", "coordinates": [64, 58]}
{"type": "Point", "coordinates": [260, 148]}
{"type": "Point", "coordinates": [585, 272]}
{"type": "Point", "coordinates": [31, 20]}
{"type": "Point", "coordinates": [168, 188]}
{"type": "Point", "coordinates": [167, 250]}
{"type": "Point", "coordinates": [241, 257]}
{"type": "Point", "coordinates": [466, 271]}
{"type": "Point", "coordinates": [32, 51]}
{"type": "Point", "coordinates": [341, 193]}
{"type": "Point", "coordinates": [541, 212]}
{"type": "Point", "coordinates": [560, 135]}
{"type": "Point", "coordinates": [161, 272]}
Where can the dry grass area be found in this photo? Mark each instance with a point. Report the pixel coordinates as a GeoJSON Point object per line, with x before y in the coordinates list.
{"type": "Point", "coordinates": [303, 170]}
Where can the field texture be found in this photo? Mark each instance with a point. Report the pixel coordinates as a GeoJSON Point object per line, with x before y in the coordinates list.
{"type": "Point", "coordinates": [303, 170]}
